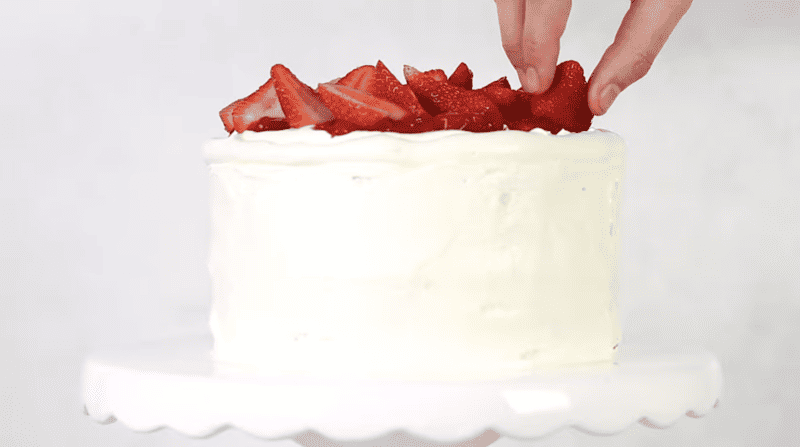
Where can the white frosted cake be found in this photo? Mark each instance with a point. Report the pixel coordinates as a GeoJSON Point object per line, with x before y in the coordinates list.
{"type": "Point", "coordinates": [444, 255]}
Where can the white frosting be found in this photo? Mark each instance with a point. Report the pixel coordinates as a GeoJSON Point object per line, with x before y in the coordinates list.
{"type": "Point", "coordinates": [444, 255]}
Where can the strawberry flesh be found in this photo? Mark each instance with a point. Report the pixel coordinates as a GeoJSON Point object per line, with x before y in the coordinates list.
{"type": "Point", "coordinates": [566, 102]}
{"type": "Point", "coordinates": [263, 102]}
{"type": "Point", "coordinates": [357, 106]}
{"type": "Point", "coordinates": [461, 77]}
{"type": "Point", "coordinates": [386, 86]}
{"type": "Point", "coordinates": [484, 115]}
{"type": "Point", "coordinates": [437, 74]}
{"type": "Point", "coordinates": [502, 82]}
{"type": "Point", "coordinates": [361, 78]}
{"type": "Point", "coordinates": [299, 102]}
{"type": "Point", "coordinates": [226, 115]}
{"type": "Point", "coordinates": [268, 123]}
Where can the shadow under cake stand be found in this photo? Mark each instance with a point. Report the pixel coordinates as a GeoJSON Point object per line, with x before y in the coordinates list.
{"type": "Point", "coordinates": [175, 383]}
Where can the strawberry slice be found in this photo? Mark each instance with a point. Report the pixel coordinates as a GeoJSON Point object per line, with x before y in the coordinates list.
{"type": "Point", "coordinates": [268, 123]}
{"type": "Point", "coordinates": [518, 109]}
{"type": "Point", "coordinates": [527, 124]}
{"type": "Point", "coordinates": [226, 115]}
{"type": "Point", "coordinates": [449, 98]}
{"type": "Point", "coordinates": [502, 82]}
{"type": "Point", "coordinates": [357, 106]}
{"type": "Point", "coordinates": [338, 127]}
{"type": "Point", "coordinates": [437, 74]}
{"type": "Point", "coordinates": [416, 124]}
{"type": "Point", "coordinates": [500, 96]}
{"type": "Point", "coordinates": [361, 78]}
{"type": "Point", "coordinates": [566, 102]}
{"type": "Point", "coordinates": [299, 102]}
{"type": "Point", "coordinates": [461, 77]}
{"type": "Point", "coordinates": [471, 122]}
{"type": "Point", "coordinates": [386, 86]}
{"type": "Point", "coordinates": [242, 113]}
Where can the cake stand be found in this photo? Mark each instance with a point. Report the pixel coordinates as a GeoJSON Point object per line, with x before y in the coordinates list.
{"type": "Point", "coordinates": [175, 384]}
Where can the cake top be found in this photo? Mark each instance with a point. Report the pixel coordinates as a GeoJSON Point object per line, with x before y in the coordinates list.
{"type": "Point", "coordinates": [371, 98]}
{"type": "Point", "coordinates": [309, 146]}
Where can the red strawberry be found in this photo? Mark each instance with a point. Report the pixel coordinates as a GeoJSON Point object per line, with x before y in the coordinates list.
{"type": "Point", "coordinates": [387, 86]}
{"type": "Point", "coordinates": [299, 102]}
{"type": "Point", "coordinates": [357, 106]}
{"type": "Point", "coordinates": [226, 115]}
{"type": "Point", "coordinates": [502, 82]}
{"type": "Point", "coordinates": [452, 99]}
{"type": "Point", "coordinates": [566, 102]}
{"type": "Point", "coordinates": [268, 123]}
{"type": "Point", "coordinates": [499, 95]}
{"type": "Point", "coordinates": [361, 78]}
{"type": "Point", "coordinates": [437, 74]}
{"type": "Point", "coordinates": [337, 127]}
{"type": "Point", "coordinates": [263, 102]}
{"type": "Point", "coordinates": [472, 122]}
{"type": "Point", "coordinates": [528, 124]}
{"type": "Point", "coordinates": [461, 77]}
{"type": "Point", "coordinates": [416, 124]}
{"type": "Point", "coordinates": [518, 109]}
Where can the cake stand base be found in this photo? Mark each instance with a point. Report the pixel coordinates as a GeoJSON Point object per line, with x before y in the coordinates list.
{"type": "Point", "coordinates": [175, 384]}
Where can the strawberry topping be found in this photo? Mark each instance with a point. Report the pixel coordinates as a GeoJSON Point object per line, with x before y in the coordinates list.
{"type": "Point", "coordinates": [372, 98]}
{"type": "Point", "coordinates": [361, 78]}
{"type": "Point", "coordinates": [357, 106]}
{"type": "Point", "coordinates": [566, 102]}
{"type": "Point", "coordinates": [226, 115]}
{"type": "Point", "coordinates": [437, 74]}
{"type": "Point", "coordinates": [387, 86]}
{"type": "Point", "coordinates": [461, 77]}
{"type": "Point", "coordinates": [484, 115]}
{"type": "Point", "coordinates": [268, 123]}
{"type": "Point", "coordinates": [299, 102]}
{"type": "Point", "coordinates": [242, 113]}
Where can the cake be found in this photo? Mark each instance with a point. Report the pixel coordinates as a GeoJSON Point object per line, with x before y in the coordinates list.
{"type": "Point", "coordinates": [436, 255]}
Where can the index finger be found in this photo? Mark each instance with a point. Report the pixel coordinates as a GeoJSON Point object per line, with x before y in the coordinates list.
{"type": "Point", "coordinates": [511, 14]}
{"type": "Point", "coordinates": [642, 34]}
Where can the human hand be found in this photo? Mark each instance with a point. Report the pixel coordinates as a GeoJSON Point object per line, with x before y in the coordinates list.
{"type": "Point", "coordinates": [531, 31]}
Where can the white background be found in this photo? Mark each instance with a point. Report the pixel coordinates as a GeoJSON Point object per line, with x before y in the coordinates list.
{"type": "Point", "coordinates": [104, 219]}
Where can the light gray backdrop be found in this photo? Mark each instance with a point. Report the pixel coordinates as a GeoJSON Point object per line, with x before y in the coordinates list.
{"type": "Point", "coordinates": [104, 223]}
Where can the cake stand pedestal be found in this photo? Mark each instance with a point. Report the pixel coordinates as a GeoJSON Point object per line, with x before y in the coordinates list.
{"type": "Point", "coordinates": [175, 384]}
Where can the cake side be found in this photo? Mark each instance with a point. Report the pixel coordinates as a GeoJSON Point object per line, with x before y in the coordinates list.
{"type": "Point", "coordinates": [446, 255]}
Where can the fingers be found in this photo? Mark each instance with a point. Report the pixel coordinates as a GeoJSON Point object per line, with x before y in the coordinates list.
{"type": "Point", "coordinates": [512, 20]}
{"type": "Point", "coordinates": [644, 30]}
{"type": "Point", "coordinates": [545, 21]}
{"type": "Point", "coordinates": [531, 31]}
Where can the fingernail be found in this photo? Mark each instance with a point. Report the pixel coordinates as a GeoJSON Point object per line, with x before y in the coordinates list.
{"type": "Point", "coordinates": [608, 96]}
{"type": "Point", "coordinates": [533, 80]}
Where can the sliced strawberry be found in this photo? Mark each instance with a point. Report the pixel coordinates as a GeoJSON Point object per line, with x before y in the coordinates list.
{"type": "Point", "coordinates": [387, 86]}
{"type": "Point", "coordinates": [414, 124]}
{"type": "Point", "coordinates": [263, 102]}
{"type": "Point", "coordinates": [299, 102]}
{"type": "Point", "coordinates": [566, 102]}
{"type": "Point", "coordinates": [268, 123]}
{"type": "Point", "coordinates": [338, 127]}
{"type": "Point", "coordinates": [452, 99]}
{"type": "Point", "coordinates": [437, 74]}
{"type": "Point", "coordinates": [472, 122]}
{"type": "Point", "coordinates": [361, 78]}
{"type": "Point", "coordinates": [502, 82]}
{"type": "Point", "coordinates": [461, 77]}
{"type": "Point", "coordinates": [528, 124]}
{"type": "Point", "coordinates": [499, 95]}
{"type": "Point", "coordinates": [357, 106]}
{"type": "Point", "coordinates": [226, 115]}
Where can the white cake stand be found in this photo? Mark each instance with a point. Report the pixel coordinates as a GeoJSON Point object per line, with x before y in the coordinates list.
{"type": "Point", "coordinates": [175, 384]}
